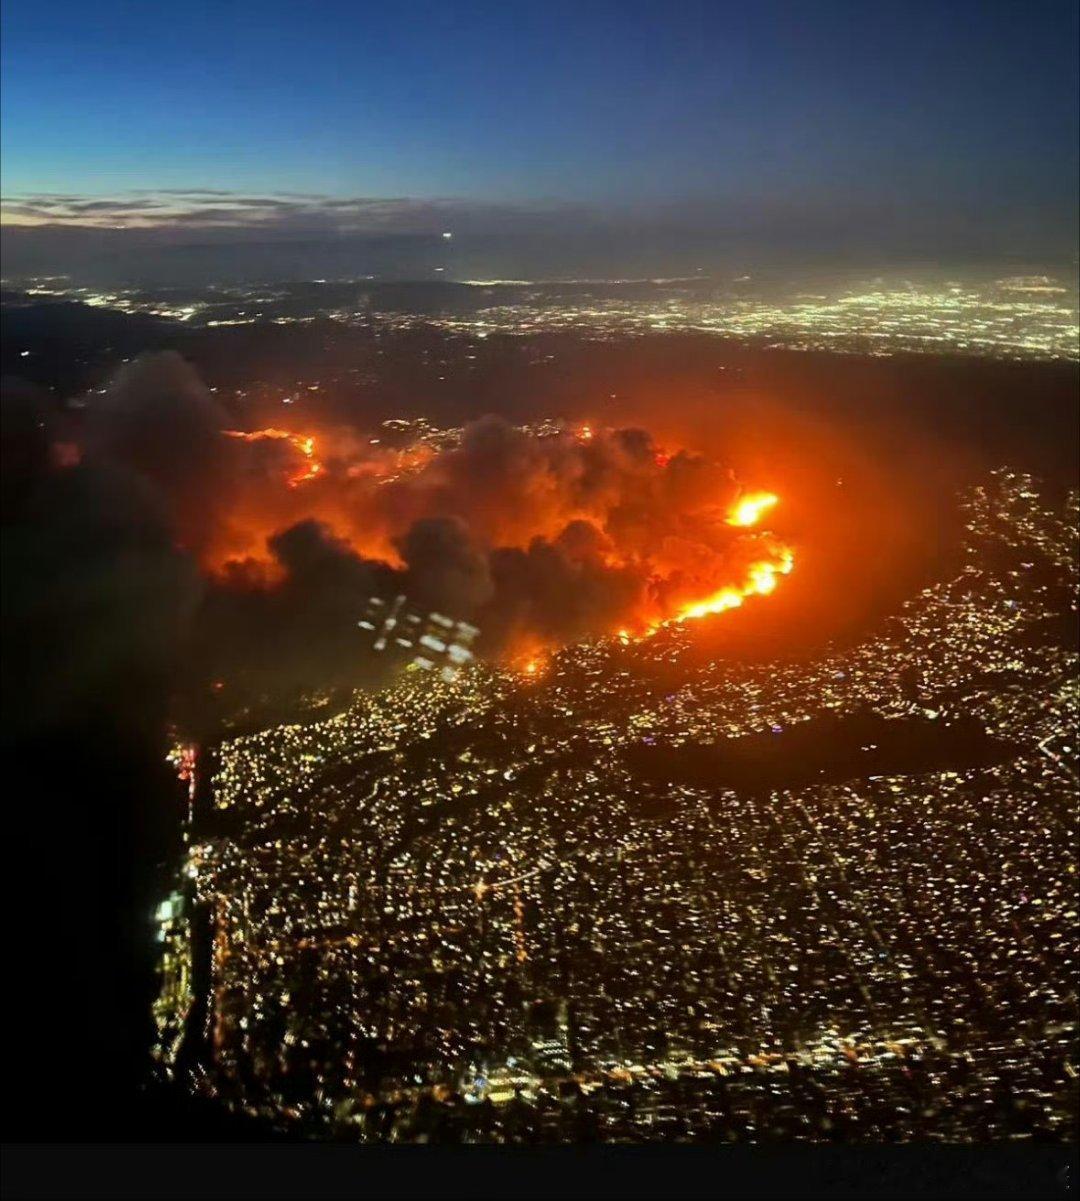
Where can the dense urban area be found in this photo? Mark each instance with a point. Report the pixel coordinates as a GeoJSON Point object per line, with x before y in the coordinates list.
{"type": "Point", "coordinates": [1023, 317]}
{"type": "Point", "coordinates": [637, 893]}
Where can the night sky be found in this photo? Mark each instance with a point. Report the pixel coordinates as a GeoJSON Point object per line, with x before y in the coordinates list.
{"type": "Point", "coordinates": [919, 123]}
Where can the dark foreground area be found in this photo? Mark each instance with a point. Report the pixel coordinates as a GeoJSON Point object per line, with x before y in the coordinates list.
{"type": "Point", "coordinates": [826, 750]}
{"type": "Point", "coordinates": [332, 1172]}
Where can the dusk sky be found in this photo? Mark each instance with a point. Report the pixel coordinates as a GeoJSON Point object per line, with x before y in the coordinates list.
{"type": "Point", "coordinates": [298, 118]}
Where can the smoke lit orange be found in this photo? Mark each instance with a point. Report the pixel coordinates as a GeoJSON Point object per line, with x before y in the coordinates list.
{"type": "Point", "coordinates": [649, 535]}
{"type": "Point", "coordinates": [304, 443]}
{"type": "Point", "coordinates": [760, 581]}
{"type": "Point", "coordinates": [761, 576]}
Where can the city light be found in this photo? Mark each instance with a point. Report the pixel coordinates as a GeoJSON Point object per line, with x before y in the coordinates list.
{"type": "Point", "coordinates": [506, 838]}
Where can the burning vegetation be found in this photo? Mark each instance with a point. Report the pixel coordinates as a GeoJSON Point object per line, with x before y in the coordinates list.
{"type": "Point", "coordinates": [540, 535]}
{"type": "Point", "coordinates": [304, 443]}
{"type": "Point", "coordinates": [549, 536]}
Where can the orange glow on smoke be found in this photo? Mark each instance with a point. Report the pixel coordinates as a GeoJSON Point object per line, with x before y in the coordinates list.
{"type": "Point", "coordinates": [686, 541]}
{"type": "Point", "coordinates": [304, 443]}
{"type": "Point", "coordinates": [529, 658]}
{"type": "Point", "coordinates": [748, 510]}
{"type": "Point", "coordinates": [761, 579]}
{"type": "Point", "coordinates": [761, 576]}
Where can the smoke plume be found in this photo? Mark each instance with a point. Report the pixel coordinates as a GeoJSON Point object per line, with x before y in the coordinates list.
{"type": "Point", "coordinates": [538, 536]}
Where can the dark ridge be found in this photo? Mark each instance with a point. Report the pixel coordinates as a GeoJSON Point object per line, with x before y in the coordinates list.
{"type": "Point", "coordinates": [825, 750]}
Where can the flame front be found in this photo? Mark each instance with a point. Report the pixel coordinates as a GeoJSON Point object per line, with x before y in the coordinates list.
{"type": "Point", "coordinates": [304, 443]}
{"type": "Point", "coordinates": [761, 579]}
{"type": "Point", "coordinates": [694, 546]}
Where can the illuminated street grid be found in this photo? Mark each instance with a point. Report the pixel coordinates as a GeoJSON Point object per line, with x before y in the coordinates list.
{"type": "Point", "coordinates": [888, 958]}
{"type": "Point", "coordinates": [881, 321]}
{"type": "Point", "coordinates": [1026, 317]}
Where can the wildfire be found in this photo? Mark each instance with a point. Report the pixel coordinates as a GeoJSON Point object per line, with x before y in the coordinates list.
{"type": "Point", "coordinates": [529, 659]}
{"type": "Point", "coordinates": [686, 567]}
{"type": "Point", "coordinates": [748, 509]}
{"type": "Point", "coordinates": [761, 577]}
{"type": "Point", "coordinates": [304, 443]}
{"type": "Point", "coordinates": [760, 580]}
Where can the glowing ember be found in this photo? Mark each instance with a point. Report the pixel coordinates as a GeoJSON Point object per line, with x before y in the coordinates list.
{"type": "Point", "coordinates": [748, 509]}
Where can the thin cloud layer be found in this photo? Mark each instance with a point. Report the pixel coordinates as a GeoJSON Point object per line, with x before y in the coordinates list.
{"type": "Point", "coordinates": [214, 208]}
{"type": "Point", "coordinates": [98, 239]}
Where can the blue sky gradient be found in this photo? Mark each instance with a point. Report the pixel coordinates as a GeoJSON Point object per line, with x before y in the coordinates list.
{"type": "Point", "coordinates": [683, 113]}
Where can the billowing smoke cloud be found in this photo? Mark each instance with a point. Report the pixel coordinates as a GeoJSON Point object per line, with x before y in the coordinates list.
{"type": "Point", "coordinates": [554, 536]}
{"type": "Point", "coordinates": [96, 594]}
{"type": "Point", "coordinates": [445, 568]}
{"type": "Point", "coordinates": [158, 420]}
{"type": "Point", "coordinates": [538, 539]}
{"type": "Point", "coordinates": [264, 643]}
{"type": "Point", "coordinates": [557, 592]}
{"type": "Point", "coordinates": [97, 602]}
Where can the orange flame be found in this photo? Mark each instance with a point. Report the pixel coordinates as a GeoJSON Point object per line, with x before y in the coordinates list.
{"type": "Point", "coordinates": [748, 509]}
{"type": "Point", "coordinates": [530, 659]}
{"type": "Point", "coordinates": [673, 599]}
{"type": "Point", "coordinates": [761, 577]}
{"type": "Point", "coordinates": [304, 443]}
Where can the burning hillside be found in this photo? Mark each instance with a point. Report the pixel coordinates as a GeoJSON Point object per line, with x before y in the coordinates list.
{"type": "Point", "coordinates": [540, 535]}
{"type": "Point", "coordinates": [582, 531]}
